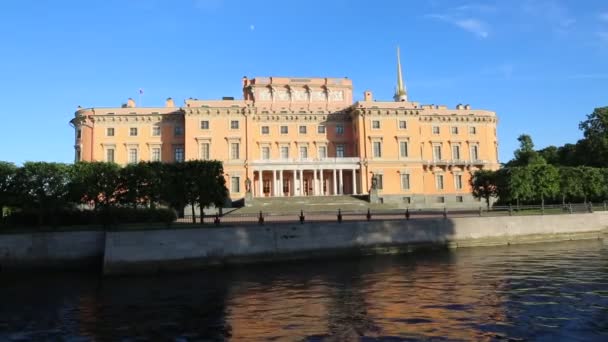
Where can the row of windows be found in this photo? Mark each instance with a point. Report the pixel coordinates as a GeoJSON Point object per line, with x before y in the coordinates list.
{"type": "Point", "coordinates": [265, 151]}
{"type": "Point", "coordinates": [404, 151]}
{"type": "Point", "coordinates": [155, 154]}
{"type": "Point", "coordinates": [405, 181]}
{"type": "Point", "coordinates": [134, 131]}
{"type": "Point", "coordinates": [454, 130]}
{"type": "Point", "coordinates": [234, 124]}
{"type": "Point", "coordinates": [376, 124]}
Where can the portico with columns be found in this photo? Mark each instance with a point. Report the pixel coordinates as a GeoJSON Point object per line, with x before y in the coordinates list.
{"type": "Point", "coordinates": [340, 176]}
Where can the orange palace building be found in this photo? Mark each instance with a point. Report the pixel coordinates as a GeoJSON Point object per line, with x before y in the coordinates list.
{"type": "Point", "coordinates": [295, 136]}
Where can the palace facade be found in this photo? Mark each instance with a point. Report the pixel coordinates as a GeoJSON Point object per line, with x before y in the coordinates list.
{"type": "Point", "coordinates": [296, 136]}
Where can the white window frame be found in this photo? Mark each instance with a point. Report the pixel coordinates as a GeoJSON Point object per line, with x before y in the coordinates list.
{"type": "Point", "coordinates": [238, 125]}
{"type": "Point", "coordinates": [154, 127]}
{"type": "Point", "coordinates": [321, 129]}
{"type": "Point", "coordinates": [235, 180]}
{"type": "Point", "coordinates": [176, 149]}
{"type": "Point", "coordinates": [437, 147]}
{"type": "Point", "coordinates": [439, 181]}
{"type": "Point", "coordinates": [205, 123]}
{"type": "Point", "coordinates": [286, 129]}
{"type": "Point", "coordinates": [267, 130]}
{"type": "Point", "coordinates": [407, 176]}
{"type": "Point", "coordinates": [108, 131]}
{"type": "Point", "coordinates": [458, 185]}
{"type": "Point", "coordinates": [131, 130]}
{"type": "Point", "coordinates": [436, 130]}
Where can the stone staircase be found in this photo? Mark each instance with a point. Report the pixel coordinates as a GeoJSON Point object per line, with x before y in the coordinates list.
{"type": "Point", "coordinates": [309, 204]}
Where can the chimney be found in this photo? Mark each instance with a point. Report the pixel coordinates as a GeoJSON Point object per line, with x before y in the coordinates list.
{"type": "Point", "coordinates": [368, 96]}
{"type": "Point", "coordinates": [130, 103]}
{"type": "Point", "coordinates": [169, 103]}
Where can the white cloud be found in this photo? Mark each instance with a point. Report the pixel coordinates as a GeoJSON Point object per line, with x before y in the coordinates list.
{"type": "Point", "coordinates": [472, 25]}
{"type": "Point", "coordinates": [550, 13]}
{"type": "Point", "coordinates": [252, 27]}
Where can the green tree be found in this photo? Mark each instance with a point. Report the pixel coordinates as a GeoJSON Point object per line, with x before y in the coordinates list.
{"type": "Point", "coordinates": [595, 130]}
{"type": "Point", "coordinates": [520, 184]}
{"type": "Point", "coordinates": [525, 154]}
{"type": "Point", "coordinates": [592, 181]}
{"type": "Point", "coordinates": [174, 186]}
{"type": "Point", "coordinates": [95, 183]}
{"type": "Point", "coordinates": [7, 173]}
{"type": "Point", "coordinates": [545, 182]}
{"type": "Point", "coordinates": [484, 185]}
{"type": "Point", "coordinates": [570, 183]}
{"type": "Point", "coordinates": [550, 154]}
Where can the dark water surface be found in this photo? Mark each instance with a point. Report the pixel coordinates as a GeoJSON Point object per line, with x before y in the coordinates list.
{"type": "Point", "coordinates": [540, 292]}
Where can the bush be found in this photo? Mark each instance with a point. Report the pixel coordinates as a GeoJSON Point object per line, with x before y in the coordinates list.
{"type": "Point", "coordinates": [73, 217]}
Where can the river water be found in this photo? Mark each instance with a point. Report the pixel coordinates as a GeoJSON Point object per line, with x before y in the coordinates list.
{"type": "Point", "coordinates": [540, 292]}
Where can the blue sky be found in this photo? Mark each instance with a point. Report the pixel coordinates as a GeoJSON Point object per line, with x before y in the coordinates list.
{"type": "Point", "coordinates": [542, 65]}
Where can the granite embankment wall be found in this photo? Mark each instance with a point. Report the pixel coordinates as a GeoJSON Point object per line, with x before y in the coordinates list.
{"type": "Point", "coordinates": [52, 250]}
{"type": "Point", "coordinates": [169, 250]}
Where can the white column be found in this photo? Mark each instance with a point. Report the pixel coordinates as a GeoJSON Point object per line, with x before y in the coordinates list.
{"type": "Point", "coordinates": [274, 183]}
{"type": "Point", "coordinates": [341, 184]}
{"type": "Point", "coordinates": [261, 183]}
{"type": "Point", "coordinates": [281, 193]}
{"type": "Point", "coordinates": [301, 182]}
{"type": "Point", "coordinates": [335, 184]}
{"type": "Point", "coordinates": [321, 183]}
{"type": "Point", "coordinates": [294, 184]}
{"type": "Point", "coordinates": [354, 181]}
{"type": "Point", "coordinates": [315, 186]}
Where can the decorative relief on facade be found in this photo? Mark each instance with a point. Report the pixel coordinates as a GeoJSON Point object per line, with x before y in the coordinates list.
{"type": "Point", "coordinates": [282, 95]}
{"type": "Point", "coordinates": [300, 95]}
{"type": "Point", "coordinates": [264, 94]}
{"type": "Point", "coordinates": [336, 95]}
{"type": "Point", "coordinates": [318, 95]}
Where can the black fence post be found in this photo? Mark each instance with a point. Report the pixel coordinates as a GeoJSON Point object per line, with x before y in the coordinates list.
{"type": "Point", "coordinates": [369, 215]}
{"type": "Point", "coordinates": [261, 218]}
{"type": "Point", "coordinates": [445, 213]}
{"type": "Point", "coordinates": [217, 220]}
{"type": "Point", "coordinates": [339, 216]}
{"type": "Point", "coordinates": [407, 213]}
{"type": "Point", "coordinates": [301, 216]}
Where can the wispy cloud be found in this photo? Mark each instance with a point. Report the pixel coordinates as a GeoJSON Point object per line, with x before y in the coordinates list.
{"type": "Point", "coordinates": [550, 13]}
{"type": "Point", "coordinates": [469, 24]}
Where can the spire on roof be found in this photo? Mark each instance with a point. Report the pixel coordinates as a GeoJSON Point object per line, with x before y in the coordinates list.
{"type": "Point", "coordinates": [400, 92]}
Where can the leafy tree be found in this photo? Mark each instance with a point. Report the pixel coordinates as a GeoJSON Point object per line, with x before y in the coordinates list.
{"type": "Point", "coordinates": [595, 130]}
{"type": "Point", "coordinates": [525, 154]}
{"type": "Point", "coordinates": [520, 184]}
{"type": "Point", "coordinates": [570, 183]}
{"type": "Point", "coordinates": [174, 186]}
{"type": "Point", "coordinates": [95, 182]}
{"type": "Point", "coordinates": [7, 173]}
{"type": "Point", "coordinates": [484, 185]}
{"type": "Point", "coordinates": [592, 181]}
{"type": "Point", "coordinates": [550, 154]}
{"type": "Point", "coordinates": [545, 181]}
{"type": "Point", "coordinates": [141, 183]}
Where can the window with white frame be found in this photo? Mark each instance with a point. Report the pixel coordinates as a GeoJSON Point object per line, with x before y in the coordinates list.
{"type": "Point", "coordinates": [454, 129]}
{"type": "Point", "coordinates": [439, 181]}
{"type": "Point", "coordinates": [284, 130]}
{"type": "Point", "coordinates": [265, 130]}
{"type": "Point", "coordinates": [234, 150]}
{"type": "Point", "coordinates": [340, 151]}
{"type": "Point", "coordinates": [474, 152]}
{"type": "Point", "coordinates": [377, 147]}
{"type": "Point", "coordinates": [178, 153]}
{"type": "Point", "coordinates": [380, 178]}
{"type": "Point", "coordinates": [155, 155]}
{"type": "Point", "coordinates": [339, 129]}
{"type": "Point", "coordinates": [321, 129]}
{"type": "Point", "coordinates": [302, 129]}
{"type": "Point", "coordinates": [402, 124]}
{"type": "Point", "coordinates": [133, 157]}
{"type": "Point", "coordinates": [234, 124]}
{"type": "Point", "coordinates": [133, 131]}
{"type": "Point", "coordinates": [284, 152]}
{"type": "Point", "coordinates": [458, 181]}
{"type": "Point", "coordinates": [376, 124]}
{"type": "Point", "coordinates": [110, 155]}
{"type": "Point", "coordinates": [436, 152]}
{"type": "Point", "coordinates": [235, 184]}
{"type": "Point", "coordinates": [435, 129]}
{"type": "Point", "coordinates": [303, 152]}
{"type": "Point", "coordinates": [205, 124]}
{"type": "Point", "coordinates": [455, 152]}
{"type": "Point", "coordinates": [110, 131]}
{"type": "Point", "coordinates": [405, 181]}
{"type": "Point", "coordinates": [265, 152]}
{"type": "Point", "coordinates": [205, 147]}
{"type": "Point", "coordinates": [472, 130]}
{"type": "Point", "coordinates": [156, 130]}
{"type": "Point", "coordinates": [322, 151]}
{"type": "Point", "coordinates": [403, 149]}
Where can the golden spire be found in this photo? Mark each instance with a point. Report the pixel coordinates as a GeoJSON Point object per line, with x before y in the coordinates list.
{"type": "Point", "coordinates": [400, 93]}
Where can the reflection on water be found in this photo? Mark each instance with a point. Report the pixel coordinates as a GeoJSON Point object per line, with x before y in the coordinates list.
{"type": "Point", "coordinates": [532, 292]}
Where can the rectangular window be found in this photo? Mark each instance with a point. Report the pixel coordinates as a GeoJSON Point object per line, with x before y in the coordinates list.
{"type": "Point", "coordinates": [405, 181]}
{"type": "Point", "coordinates": [380, 185]}
{"type": "Point", "coordinates": [234, 124]}
{"type": "Point", "coordinates": [458, 182]}
{"type": "Point", "coordinates": [78, 134]}
{"type": "Point", "coordinates": [205, 151]}
{"type": "Point", "coordinates": [339, 129]}
{"type": "Point", "coordinates": [303, 152]}
{"type": "Point", "coordinates": [340, 151]}
{"type": "Point", "coordinates": [110, 155]}
{"type": "Point", "coordinates": [179, 154]}
{"type": "Point", "coordinates": [437, 152]}
{"type": "Point", "coordinates": [234, 150]}
{"type": "Point", "coordinates": [402, 124]}
{"type": "Point", "coordinates": [454, 130]}
{"type": "Point", "coordinates": [435, 129]}
{"type": "Point", "coordinates": [459, 199]}
{"type": "Point", "coordinates": [205, 124]}
{"type": "Point", "coordinates": [472, 130]}
{"type": "Point", "coordinates": [284, 130]}
{"type": "Point", "coordinates": [78, 155]}
{"type": "Point", "coordinates": [178, 131]}
{"type": "Point", "coordinates": [302, 129]}
{"type": "Point", "coordinates": [265, 130]}
{"type": "Point", "coordinates": [440, 199]}
{"type": "Point", "coordinates": [133, 131]}
{"type": "Point", "coordinates": [155, 154]}
{"type": "Point", "coordinates": [235, 184]}
{"type": "Point", "coordinates": [376, 124]}
{"type": "Point", "coordinates": [474, 152]}
{"type": "Point", "coordinates": [133, 155]}
{"type": "Point", "coordinates": [456, 152]}
{"type": "Point", "coordinates": [156, 131]}
{"type": "Point", "coordinates": [265, 153]}
{"type": "Point", "coordinates": [321, 129]}
{"type": "Point", "coordinates": [284, 152]}
{"type": "Point", "coordinates": [403, 149]}
{"type": "Point", "coordinates": [322, 151]}
{"type": "Point", "coordinates": [439, 182]}
{"type": "Point", "coordinates": [110, 131]}
{"type": "Point", "coordinates": [377, 149]}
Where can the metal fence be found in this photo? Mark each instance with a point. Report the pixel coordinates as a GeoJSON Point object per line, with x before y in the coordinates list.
{"type": "Point", "coordinates": [235, 218]}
